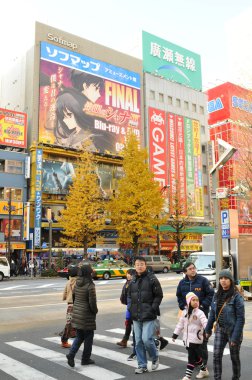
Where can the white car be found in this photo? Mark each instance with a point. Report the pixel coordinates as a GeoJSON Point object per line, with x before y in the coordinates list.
{"type": "Point", "coordinates": [4, 268]}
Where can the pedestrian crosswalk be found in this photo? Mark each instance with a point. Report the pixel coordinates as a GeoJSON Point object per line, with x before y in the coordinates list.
{"type": "Point", "coordinates": [48, 350]}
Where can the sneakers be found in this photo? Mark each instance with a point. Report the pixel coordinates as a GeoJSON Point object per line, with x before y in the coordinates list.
{"type": "Point", "coordinates": [186, 378]}
{"type": "Point", "coordinates": [202, 374]}
{"type": "Point", "coordinates": [140, 370]}
{"type": "Point", "coordinates": [122, 343]}
{"type": "Point", "coordinates": [70, 360]}
{"type": "Point", "coordinates": [157, 343]}
{"type": "Point", "coordinates": [66, 345]}
{"type": "Point", "coordinates": [87, 362]}
{"type": "Point", "coordinates": [164, 343]}
{"type": "Point", "coordinates": [131, 357]}
{"type": "Point", "coordinates": [155, 364]}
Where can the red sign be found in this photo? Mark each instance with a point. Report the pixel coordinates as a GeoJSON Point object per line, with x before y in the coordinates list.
{"type": "Point", "coordinates": [181, 162]}
{"type": "Point", "coordinates": [229, 101]}
{"type": "Point", "coordinates": [172, 154]}
{"type": "Point", "coordinates": [157, 144]}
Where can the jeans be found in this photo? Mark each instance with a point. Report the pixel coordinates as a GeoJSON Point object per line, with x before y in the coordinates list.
{"type": "Point", "coordinates": [144, 335]}
{"type": "Point", "coordinates": [85, 336]}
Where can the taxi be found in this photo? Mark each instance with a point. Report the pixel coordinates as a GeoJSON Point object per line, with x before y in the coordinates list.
{"type": "Point", "coordinates": [107, 269]}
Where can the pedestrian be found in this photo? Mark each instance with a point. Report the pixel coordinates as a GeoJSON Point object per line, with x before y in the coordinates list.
{"type": "Point", "coordinates": [227, 310]}
{"type": "Point", "coordinates": [84, 315]}
{"type": "Point", "coordinates": [128, 321]}
{"type": "Point", "coordinates": [192, 322]}
{"type": "Point", "coordinates": [144, 298]}
{"type": "Point", "coordinates": [198, 284]}
{"type": "Point", "coordinates": [68, 296]}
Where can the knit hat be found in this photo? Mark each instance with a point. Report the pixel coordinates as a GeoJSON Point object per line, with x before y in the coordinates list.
{"type": "Point", "coordinates": [226, 273]}
{"type": "Point", "coordinates": [85, 270]}
{"type": "Point", "coordinates": [189, 296]}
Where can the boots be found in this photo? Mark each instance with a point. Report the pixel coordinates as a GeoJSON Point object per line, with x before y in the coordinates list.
{"type": "Point", "coordinates": [122, 343]}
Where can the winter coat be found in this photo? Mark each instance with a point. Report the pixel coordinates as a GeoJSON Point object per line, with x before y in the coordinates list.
{"type": "Point", "coordinates": [233, 317]}
{"type": "Point", "coordinates": [200, 286]}
{"type": "Point", "coordinates": [85, 306]}
{"type": "Point", "coordinates": [68, 291]}
{"type": "Point", "coordinates": [144, 297]}
{"type": "Point", "coordinates": [192, 328]}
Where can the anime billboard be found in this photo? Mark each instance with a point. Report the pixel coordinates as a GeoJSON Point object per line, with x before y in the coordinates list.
{"type": "Point", "coordinates": [82, 98]}
{"type": "Point", "coordinates": [13, 128]}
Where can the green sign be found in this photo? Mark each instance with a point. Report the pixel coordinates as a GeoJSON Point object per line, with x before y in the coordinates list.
{"type": "Point", "coordinates": [162, 58]}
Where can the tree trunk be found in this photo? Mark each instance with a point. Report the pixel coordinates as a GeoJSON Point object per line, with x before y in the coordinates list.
{"type": "Point", "coordinates": [85, 254]}
{"type": "Point", "coordinates": [135, 246]}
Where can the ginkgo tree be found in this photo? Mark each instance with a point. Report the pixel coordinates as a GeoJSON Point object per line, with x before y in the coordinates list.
{"type": "Point", "coordinates": [137, 203]}
{"type": "Point", "coordinates": [83, 217]}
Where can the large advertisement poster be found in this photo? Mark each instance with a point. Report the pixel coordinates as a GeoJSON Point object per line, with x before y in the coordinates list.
{"type": "Point", "coordinates": [178, 161]}
{"type": "Point", "coordinates": [13, 128]}
{"type": "Point", "coordinates": [83, 98]}
{"type": "Point", "coordinates": [58, 176]}
{"type": "Point", "coordinates": [163, 58]}
{"type": "Point", "coordinates": [158, 146]}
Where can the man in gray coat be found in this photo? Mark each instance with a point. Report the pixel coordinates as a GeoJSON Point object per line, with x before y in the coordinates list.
{"type": "Point", "coordinates": [84, 316]}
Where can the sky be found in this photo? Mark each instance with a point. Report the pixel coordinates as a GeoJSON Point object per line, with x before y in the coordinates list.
{"type": "Point", "coordinates": [217, 30]}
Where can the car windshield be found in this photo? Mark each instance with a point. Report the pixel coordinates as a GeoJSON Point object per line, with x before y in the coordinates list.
{"type": "Point", "coordinates": [202, 261]}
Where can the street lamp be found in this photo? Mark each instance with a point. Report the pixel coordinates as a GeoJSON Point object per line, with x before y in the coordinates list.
{"type": "Point", "coordinates": [158, 232]}
{"type": "Point", "coordinates": [226, 155]}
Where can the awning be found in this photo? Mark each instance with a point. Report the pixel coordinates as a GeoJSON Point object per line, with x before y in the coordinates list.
{"type": "Point", "coordinates": [194, 229]}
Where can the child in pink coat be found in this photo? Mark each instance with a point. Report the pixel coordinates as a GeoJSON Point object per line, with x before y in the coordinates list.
{"type": "Point", "coordinates": [192, 322]}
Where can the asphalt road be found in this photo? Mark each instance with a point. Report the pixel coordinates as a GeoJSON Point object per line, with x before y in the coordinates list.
{"type": "Point", "coordinates": [32, 315]}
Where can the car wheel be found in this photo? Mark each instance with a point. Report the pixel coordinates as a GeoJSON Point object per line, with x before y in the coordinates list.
{"type": "Point", "coordinates": [106, 276]}
{"type": "Point", "coordinates": [165, 270]}
{"type": "Point", "coordinates": [1, 276]}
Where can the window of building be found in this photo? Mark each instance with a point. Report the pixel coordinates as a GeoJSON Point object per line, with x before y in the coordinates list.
{"type": "Point", "coordinates": [194, 108]}
{"type": "Point", "coordinates": [152, 94]}
{"type": "Point", "coordinates": [16, 194]}
{"type": "Point", "coordinates": [201, 110]}
{"type": "Point", "coordinates": [204, 168]}
{"type": "Point", "coordinates": [178, 102]}
{"type": "Point", "coordinates": [161, 97]}
{"type": "Point", "coordinates": [169, 99]}
{"type": "Point", "coordinates": [186, 105]}
{"type": "Point", "coordinates": [203, 148]}
{"type": "Point", "coordinates": [15, 167]}
{"type": "Point", "coordinates": [203, 129]}
{"type": "Point", "coordinates": [2, 165]}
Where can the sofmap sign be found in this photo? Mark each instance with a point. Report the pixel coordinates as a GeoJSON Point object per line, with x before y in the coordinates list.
{"type": "Point", "coordinates": [162, 58]}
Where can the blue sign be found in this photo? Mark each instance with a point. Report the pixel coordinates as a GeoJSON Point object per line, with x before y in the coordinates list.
{"type": "Point", "coordinates": [225, 225]}
{"type": "Point", "coordinates": [74, 60]}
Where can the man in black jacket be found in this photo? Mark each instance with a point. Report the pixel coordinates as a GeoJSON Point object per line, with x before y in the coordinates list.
{"type": "Point", "coordinates": [193, 282]}
{"type": "Point", "coordinates": [144, 297]}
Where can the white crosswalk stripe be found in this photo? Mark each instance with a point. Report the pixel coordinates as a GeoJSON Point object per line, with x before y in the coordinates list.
{"type": "Point", "coordinates": [109, 354]}
{"type": "Point", "coordinates": [19, 370]}
{"type": "Point", "coordinates": [92, 371]}
{"type": "Point", "coordinates": [178, 342]}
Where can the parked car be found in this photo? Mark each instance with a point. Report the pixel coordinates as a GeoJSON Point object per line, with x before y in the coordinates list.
{"type": "Point", "coordinates": [158, 263]}
{"type": "Point", "coordinates": [4, 268]}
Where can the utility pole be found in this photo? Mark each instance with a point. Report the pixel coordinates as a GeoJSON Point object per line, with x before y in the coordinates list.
{"type": "Point", "coordinates": [49, 218]}
{"type": "Point", "coordinates": [9, 227]}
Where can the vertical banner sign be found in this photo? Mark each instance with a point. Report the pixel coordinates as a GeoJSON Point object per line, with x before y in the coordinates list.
{"type": "Point", "coordinates": [38, 198]}
{"type": "Point", "coordinates": [199, 203]}
{"type": "Point", "coordinates": [26, 225]}
{"type": "Point", "coordinates": [189, 166]}
{"type": "Point", "coordinates": [181, 163]}
{"type": "Point", "coordinates": [157, 144]}
{"type": "Point", "coordinates": [172, 154]}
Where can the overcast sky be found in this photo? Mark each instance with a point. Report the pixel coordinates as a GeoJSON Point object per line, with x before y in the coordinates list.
{"type": "Point", "coordinates": [218, 30]}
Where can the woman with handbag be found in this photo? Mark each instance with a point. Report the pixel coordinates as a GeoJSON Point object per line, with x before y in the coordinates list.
{"type": "Point", "coordinates": [227, 310]}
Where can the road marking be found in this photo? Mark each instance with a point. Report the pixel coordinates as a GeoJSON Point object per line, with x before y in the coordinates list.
{"type": "Point", "coordinates": [110, 354]}
{"type": "Point", "coordinates": [92, 371]}
{"type": "Point", "coordinates": [177, 342]}
{"type": "Point", "coordinates": [14, 287]}
{"type": "Point", "coordinates": [21, 371]}
{"type": "Point", "coordinates": [43, 286]}
{"type": "Point", "coordinates": [29, 306]}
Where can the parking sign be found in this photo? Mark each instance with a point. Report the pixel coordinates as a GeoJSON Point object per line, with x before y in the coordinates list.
{"type": "Point", "coordinates": [225, 224]}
